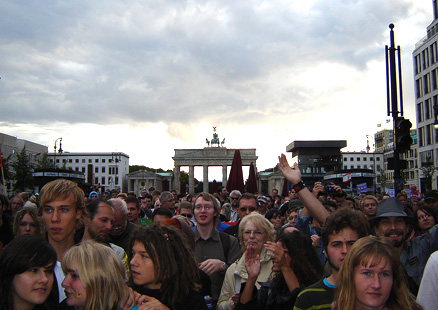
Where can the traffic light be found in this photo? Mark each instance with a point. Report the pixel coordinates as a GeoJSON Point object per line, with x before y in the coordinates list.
{"type": "Point", "coordinates": [403, 138]}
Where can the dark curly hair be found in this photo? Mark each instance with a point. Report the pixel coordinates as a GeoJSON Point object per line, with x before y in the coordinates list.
{"type": "Point", "coordinates": [342, 218]}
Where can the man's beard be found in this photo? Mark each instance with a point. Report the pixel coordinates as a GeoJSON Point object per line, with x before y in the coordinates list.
{"type": "Point", "coordinates": [96, 236]}
{"type": "Point", "coordinates": [396, 243]}
{"type": "Point", "coordinates": [331, 264]}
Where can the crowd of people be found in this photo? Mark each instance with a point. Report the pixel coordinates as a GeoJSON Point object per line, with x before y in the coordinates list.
{"type": "Point", "coordinates": [315, 248]}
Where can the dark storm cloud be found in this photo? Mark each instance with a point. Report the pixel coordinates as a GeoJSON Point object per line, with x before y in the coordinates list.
{"type": "Point", "coordinates": [109, 62]}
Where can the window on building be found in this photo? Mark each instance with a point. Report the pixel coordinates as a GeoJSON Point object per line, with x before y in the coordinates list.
{"type": "Point", "coordinates": [427, 109]}
{"type": "Point", "coordinates": [96, 160]}
{"type": "Point", "coordinates": [70, 161]}
{"type": "Point", "coordinates": [96, 180]}
{"type": "Point", "coordinates": [433, 53]}
{"type": "Point", "coordinates": [103, 169]}
{"type": "Point", "coordinates": [90, 161]}
{"type": "Point", "coordinates": [83, 160]}
{"type": "Point", "coordinates": [419, 88]}
{"type": "Point", "coordinates": [351, 167]}
{"type": "Point", "coordinates": [77, 169]}
{"type": "Point", "coordinates": [96, 169]}
{"type": "Point", "coordinates": [377, 158]}
{"type": "Point", "coordinates": [57, 161]}
{"type": "Point", "coordinates": [358, 158]}
{"type": "Point", "coordinates": [365, 166]}
{"type": "Point", "coordinates": [345, 159]}
{"type": "Point", "coordinates": [345, 168]}
{"type": "Point", "coordinates": [364, 159]}
{"type": "Point", "coordinates": [433, 78]}
{"type": "Point", "coordinates": [426, 83]}
{"type": "Point", "coordinates": [428, 135]}
{"type": "Point", "coordinates": [417, 64]}
{"type": "Point", "coordinates": [116, 180]}
{"type": "Point", "coordinates": [83, 169]}
{"type": "Point", "coordinates": [420, 136]}
{"type": "Point", "coordinates": [77, 160]}
{"type": "Point", "coordinates": [64, 160]}
{"type": "Point", "coordinates": [103, 180]}
{"type": "Point", "coordinates": [117, 170]}
{"type": "Point", "coordinates": [378, 167]}
{"type": "Point", "coordinates": [351, 159]}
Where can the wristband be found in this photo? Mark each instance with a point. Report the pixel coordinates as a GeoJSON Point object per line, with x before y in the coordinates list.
{"type": "Point", "coordinates": [299, 186]}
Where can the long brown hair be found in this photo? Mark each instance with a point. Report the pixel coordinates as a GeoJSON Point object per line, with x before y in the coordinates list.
{"type": "Point", "coordinates": [369, 251]}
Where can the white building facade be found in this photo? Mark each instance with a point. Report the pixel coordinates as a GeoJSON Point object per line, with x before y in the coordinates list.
{"type": "Point", "coordinates": [425, 59]}
{"type": "Point", "coordinates": [109, 170]}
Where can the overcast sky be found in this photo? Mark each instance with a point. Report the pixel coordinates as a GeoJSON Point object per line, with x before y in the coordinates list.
{"type": "Point", "coordinates": [147, 77]}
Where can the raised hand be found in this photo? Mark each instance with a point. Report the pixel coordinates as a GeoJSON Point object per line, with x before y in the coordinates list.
{"type": "Point", "coordinates": [293, 175]}
{"type": "Point", "coordinates": [252, 263]}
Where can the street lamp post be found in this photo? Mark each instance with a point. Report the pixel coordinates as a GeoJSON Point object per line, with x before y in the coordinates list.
{"type": "Point", "coordinates": [60, 151]}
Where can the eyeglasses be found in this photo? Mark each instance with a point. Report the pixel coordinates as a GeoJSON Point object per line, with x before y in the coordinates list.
{"type": "Point", "coordinates": [423, 217]}
{"type": "Point", "coordinates": [245, 209]}
{"type": "Point", "coordinates": [256, 233]}
{"type": "Point", "coordinates": [234, 198]}
{"type": "Point", "coordinates": [187, 215]}
{"type": "Point", "coordinates": [206, 208]}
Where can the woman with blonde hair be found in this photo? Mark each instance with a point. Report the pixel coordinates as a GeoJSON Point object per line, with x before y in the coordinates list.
{"type": "Point", "coordinates": [254, 231]}
{"type": "Point", "coordinates": [94, 277]}
{"type": "Point", "coordinates": [372, 278]}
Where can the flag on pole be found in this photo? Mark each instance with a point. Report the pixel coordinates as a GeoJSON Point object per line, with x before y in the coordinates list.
{"type": "Point", "coordinates": [346, 177]}
{"type": "Point", "coordinates": [1, 163]}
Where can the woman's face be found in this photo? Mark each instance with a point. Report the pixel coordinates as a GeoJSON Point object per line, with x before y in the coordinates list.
{"type": "Point", "coordinates": [293, 218]}
{"type": "Point", "coordinates": [142, 267]}
{"type": "Point", "coordinates": [27, 226]}
{"type": "Point", "coordinates": [372, 285]}
{"type": "Point", "coordinates": [253, 237]}
{"type": "Point", "coordinates": [425, 221]}
{"type": "Point", "coordinates": [276, 221]}
{"type": "Point", "coordinates": [32, 287]}
{"type": "Point", "coordinates": [74, 290]}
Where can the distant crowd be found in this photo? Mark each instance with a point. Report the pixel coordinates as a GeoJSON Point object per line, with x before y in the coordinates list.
{"type": "Point", "coordinates": [314, 248]}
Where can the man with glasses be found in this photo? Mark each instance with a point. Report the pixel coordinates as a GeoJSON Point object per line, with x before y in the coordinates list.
{"type": "Point", "coordinates": [186, 209]}
{"type": "Point", "coordinates": [214, 250]}
{"type": "Point", "coordinates": [231, 212]}
{"type": "Point", "coordinates": [122, 229]}
{"type": "Point", "coordinates": [247, 203]}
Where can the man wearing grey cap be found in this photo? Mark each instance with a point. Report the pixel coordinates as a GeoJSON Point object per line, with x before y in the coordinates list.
{"type": "Point", "coordinates": [262, 206]}
{"type": "Point", "coordinates": [392, 222]}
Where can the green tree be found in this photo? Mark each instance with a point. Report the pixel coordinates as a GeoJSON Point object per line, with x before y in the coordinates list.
{"type": "Point", "coordinates": [381, 179]}
{"type": "Point", "coordinates": [44, 162]}
{"type": "Point", "coordinates": [22, 171]}
{"type": "Point", "coordinates": [428, 172]}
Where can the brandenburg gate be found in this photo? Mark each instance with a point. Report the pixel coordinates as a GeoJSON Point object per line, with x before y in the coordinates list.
{"type": "Point", "coordinates": [208, 156]}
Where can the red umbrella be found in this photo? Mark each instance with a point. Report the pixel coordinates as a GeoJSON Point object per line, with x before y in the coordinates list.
{"type": "Point", "coordinates": [251, 184]}
{"type": "Point", "coordinates": [285, 191]}
{"type": "Point", "coordinates": [165, 185]}
{"type": "Point", "coordinates": [213, 187]}
{"type": "Point", "coordinates": [235, 179]}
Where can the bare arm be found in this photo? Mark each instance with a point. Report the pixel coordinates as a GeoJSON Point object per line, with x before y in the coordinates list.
{"type": "Point", "coordinates": [293, 175]}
